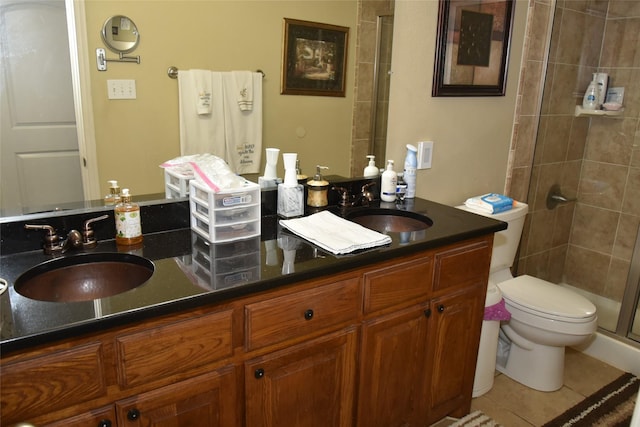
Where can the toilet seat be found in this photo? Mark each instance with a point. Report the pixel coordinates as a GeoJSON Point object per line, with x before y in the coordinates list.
{"type": "Point", "coordinates": [543, 299]}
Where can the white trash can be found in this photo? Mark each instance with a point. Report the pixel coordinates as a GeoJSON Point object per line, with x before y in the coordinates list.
{"type": "Point", "coordinates": [486, 363]}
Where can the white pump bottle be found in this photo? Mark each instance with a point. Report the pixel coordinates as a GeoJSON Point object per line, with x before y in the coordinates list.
{"type": "Point", "coordinates": [388, 183]}
{"type": "Point", "coordinates": [371, 171]}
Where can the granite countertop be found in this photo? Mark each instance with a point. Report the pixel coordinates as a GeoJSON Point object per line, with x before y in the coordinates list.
{"type": "Point", "coordinates": [191, 273]}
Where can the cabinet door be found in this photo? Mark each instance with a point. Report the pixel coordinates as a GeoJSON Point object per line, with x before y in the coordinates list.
{"type": "Point", "coordinates": [103, 417]}
{"type": "Point", "coordinates": [393, 369]}
{"type": "Point", "coordinates": [454, 335]}
{"type": "Point", "coordinates": [52, 381]}
{"type": "Point", "coordinates": [208, 400]}
{"type": "Point", "coordinates": [311, 384]}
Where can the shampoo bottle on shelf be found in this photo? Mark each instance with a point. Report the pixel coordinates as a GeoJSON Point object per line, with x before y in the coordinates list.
{"type": "Point", "coordinates": [410, 166]}
{"type": "Point", "coordinates": [388, 183]}
{"type": "Point", "coordinates": [371, 171]}
{"type": "Point", "coordinates": [128, 224]}
{"type": "Point", "coordinates": [590, 99]}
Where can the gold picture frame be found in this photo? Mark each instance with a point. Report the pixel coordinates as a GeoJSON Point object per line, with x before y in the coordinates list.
{"type": "Point", "coordinates": [314, 58]}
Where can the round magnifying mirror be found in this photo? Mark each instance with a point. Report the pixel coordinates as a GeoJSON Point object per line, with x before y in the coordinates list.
{"type": "Point", "coordinates": [120, 34]}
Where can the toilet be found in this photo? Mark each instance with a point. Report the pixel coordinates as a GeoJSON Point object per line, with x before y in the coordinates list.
{"type": "Point", "coordinates": [545, 318]}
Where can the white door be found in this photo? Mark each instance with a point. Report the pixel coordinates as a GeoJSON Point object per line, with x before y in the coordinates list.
{"type": "Point", "coordinates": [39, 157]}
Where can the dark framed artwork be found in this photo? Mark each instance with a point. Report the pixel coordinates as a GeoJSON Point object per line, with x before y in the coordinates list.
{"type": "Point", "coordinates": [472, 47]}
{"type": "Point", "coordinates": [314, 58]}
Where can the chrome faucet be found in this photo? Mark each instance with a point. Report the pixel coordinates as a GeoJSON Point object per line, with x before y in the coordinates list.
{"type": "Point", "coordinates": [54, 244]}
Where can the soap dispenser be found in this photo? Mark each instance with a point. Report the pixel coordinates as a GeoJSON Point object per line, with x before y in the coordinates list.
{"type": "Point", "coordinates": [290, 193]}
{"type": "Point", "coordinates": [128, 225]}
{"type": "Point", "coordinates": [388, 183]}
{"type": "Point", "coordinates": [371, 171]}
{"type": "Point", "coordinates": [113, 198]}
{"type": "Point", "coordinates": [317, 187]}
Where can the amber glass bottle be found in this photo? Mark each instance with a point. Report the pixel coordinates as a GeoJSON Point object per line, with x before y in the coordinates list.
{"type": "Point", "coordinates": [128, 224]}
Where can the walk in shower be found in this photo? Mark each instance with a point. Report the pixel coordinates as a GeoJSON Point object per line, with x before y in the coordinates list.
{"type": "Point", "coordinates": [591, 243]}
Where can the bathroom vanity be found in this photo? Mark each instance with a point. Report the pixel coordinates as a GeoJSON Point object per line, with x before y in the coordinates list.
{"type": "Point", "coordinates": [388, 336]}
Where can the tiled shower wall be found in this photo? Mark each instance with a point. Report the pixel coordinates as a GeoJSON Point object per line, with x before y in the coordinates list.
{"type": "Point", "coordinates": [368, 12]}
{"type": "Point", "coordinates": [587, 244]}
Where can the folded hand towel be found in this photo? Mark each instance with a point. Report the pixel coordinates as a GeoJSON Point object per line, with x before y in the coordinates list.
{"type": "Point", "coordinates": [490, 203]}
{"type": "Point", "coordinates": [335, 234]}
{"type": "Point", "coordinates": [244, 85]}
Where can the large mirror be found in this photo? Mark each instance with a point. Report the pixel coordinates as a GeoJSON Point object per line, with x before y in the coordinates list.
{"type": "Point", "coordinates": [120, 34]}
{"type": "Point", "coordinates": [131, 138]}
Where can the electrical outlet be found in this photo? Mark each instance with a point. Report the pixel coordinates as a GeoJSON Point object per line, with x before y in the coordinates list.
{"type": "Point", "coordinates": [121, 89]}
{"type": "Point", "coordinates": [425, 153]}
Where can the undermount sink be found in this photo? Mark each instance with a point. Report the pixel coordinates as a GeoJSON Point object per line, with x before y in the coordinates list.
{"type": "Point", "coordinates": [84, 277]}
{"type": "Point", "coordinates": [390, 220]}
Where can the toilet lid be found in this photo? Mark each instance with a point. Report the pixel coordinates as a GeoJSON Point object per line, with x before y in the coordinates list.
{"type": "Point", "coordinates": [546, 299]}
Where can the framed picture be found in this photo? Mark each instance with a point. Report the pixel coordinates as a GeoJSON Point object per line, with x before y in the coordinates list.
{"type": "Point", "coordinates": [472, 49]}
{"type": "Point", "coordinates": [315, 58]}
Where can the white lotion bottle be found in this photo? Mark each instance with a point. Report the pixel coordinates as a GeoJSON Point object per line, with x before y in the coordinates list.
{"type": "Point", "coordinates": [290, 193]}
{"type": "Point", "coordinates": [388, 183]}
{"type": "Point", "coordinates": [371, 171]}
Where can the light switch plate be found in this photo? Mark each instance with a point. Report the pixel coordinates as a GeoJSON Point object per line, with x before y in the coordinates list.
{"type": "Point", "coordinates": [121, 89]}
{"type": "Point", "coordinates": [425, 153]}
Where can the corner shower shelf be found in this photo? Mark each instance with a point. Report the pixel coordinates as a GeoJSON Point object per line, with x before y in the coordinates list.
{"type": "Point", "coordinates": [581, 112]}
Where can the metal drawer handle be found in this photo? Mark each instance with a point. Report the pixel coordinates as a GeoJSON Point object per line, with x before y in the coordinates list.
{"type": "Point", "coordinates": [308, 315]}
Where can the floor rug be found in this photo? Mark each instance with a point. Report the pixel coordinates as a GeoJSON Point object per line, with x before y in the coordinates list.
{"type": "Point", "coordinates": [610, 406]}
{"type": "Point", "coordinates": [475, 419]}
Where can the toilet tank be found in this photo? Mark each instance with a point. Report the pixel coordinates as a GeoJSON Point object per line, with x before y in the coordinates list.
{"type": "Point", "coordinates": [505, 242]}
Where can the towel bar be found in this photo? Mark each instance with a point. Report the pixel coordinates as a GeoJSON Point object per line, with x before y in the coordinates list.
{"type": "Point", "coordinates": [172, 72]}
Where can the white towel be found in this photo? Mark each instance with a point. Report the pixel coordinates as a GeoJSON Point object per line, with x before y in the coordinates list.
{"type": "Point", "coordinates": [201, 133]}
{"type": "Point", "coordinates": [243, 129]}
{"type": "Point", "coordinates": [244, 88]}
{"type": "Point", "coordinates": [335, 234]}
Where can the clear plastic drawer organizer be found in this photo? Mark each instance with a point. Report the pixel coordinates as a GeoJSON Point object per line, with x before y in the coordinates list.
{"type": "Point", "coordinates": [176, 185]}
{"type": "Point", "coordinates": [227, 215]}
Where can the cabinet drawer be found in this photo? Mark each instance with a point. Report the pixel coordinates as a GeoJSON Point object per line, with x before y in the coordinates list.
{"type": "Point", "coordinates": [399, 284]}
{"type": "Point", "coordinates": [156, 353]}
{"type": "Point", "coordinates": [290, 316]}
{"type": "Point", "coordinates": [463, 265]}
{"type": "Point", "coordinates": [51, 382]}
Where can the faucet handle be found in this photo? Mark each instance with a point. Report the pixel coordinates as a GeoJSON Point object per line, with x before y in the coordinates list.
{"type": "Point", "coordinates": [51, 239]}
{"type": "Point", "coordinates": [344, 196]}
{"type": "Point", "coordinates": [88, 239]}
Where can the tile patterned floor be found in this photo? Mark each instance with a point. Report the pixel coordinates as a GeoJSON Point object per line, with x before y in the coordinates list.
{"type": "Point", "coordinates": [514, 405]}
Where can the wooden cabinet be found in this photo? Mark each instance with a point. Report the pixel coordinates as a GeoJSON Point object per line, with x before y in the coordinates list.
{"type": "Point", "coordinates": [460, 280]}
{"type": "Point", "coordinates": [308, 385]}
{"type": "Point", "coordinates": [207, 400]}
{"type": "Point", "coordinates": [393, 369]}
{"type": "Point", "coordinates": [453, 338]}
{"type": "Point", "coordinates": [390, 344]}
{"type": "Point", "coordinates": [49, 381]}
{"type": "Point", "coordinates": [417, 364]}
{"type": "Point", "coordinates": [101, 417]}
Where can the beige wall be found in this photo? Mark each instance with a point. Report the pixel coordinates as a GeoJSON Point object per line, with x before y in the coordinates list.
{"type": "Point", "coordinates": [472, 134]}
{"type": "Point", "coordinates": [135, 136]}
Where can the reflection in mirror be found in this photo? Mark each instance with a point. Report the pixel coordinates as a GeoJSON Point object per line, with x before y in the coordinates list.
{"type": "Point", "coordinates": [119, 123]}
{"type": "Point", "coordinates": [120, 34]}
